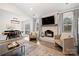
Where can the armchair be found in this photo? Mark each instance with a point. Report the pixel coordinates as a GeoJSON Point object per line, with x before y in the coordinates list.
{"type": "Point", "coordinates": [33, 36]}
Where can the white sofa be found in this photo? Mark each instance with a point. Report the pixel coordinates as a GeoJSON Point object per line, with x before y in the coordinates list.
{"type": "Point", "coordinates": [67, 42]}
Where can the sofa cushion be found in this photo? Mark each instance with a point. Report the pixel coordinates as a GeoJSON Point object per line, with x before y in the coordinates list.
{"type": "Point", "coordinates": [59, 42]}
{"type": "Point", "coordinates": [57, 36]}
{"type": "Point", "coordinates": [65, 35]}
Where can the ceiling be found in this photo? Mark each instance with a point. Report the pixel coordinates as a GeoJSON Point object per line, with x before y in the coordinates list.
{"type": "Point", "coordinates": [43, 9]}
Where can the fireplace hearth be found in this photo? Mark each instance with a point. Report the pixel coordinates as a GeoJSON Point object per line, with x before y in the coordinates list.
{"type": "Point", "coordinates": [49, 33]}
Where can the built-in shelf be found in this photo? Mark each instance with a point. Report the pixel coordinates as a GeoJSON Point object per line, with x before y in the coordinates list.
{"type": "Point", "coordinates": [50, 25]}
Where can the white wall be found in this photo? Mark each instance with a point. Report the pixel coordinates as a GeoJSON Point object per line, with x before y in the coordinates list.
{"type": "Point", "coordinates": [5, 20]}
{"type": "Point", "coordinates": [7, 13]}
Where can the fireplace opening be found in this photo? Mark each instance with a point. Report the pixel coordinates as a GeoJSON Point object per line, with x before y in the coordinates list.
{"type": "Point", "coordinates": [49, 33]}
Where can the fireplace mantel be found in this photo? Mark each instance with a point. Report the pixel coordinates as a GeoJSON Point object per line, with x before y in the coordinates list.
{"type": "Point", "coordinates": [51, 25]}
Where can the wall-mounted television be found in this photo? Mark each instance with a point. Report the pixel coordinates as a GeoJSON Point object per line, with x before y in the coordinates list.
{"type": "Point", "coordinates": [48, 20]}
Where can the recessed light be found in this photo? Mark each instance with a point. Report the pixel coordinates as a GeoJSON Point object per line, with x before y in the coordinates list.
{"type": "Point", "coordinates": [31, 9]}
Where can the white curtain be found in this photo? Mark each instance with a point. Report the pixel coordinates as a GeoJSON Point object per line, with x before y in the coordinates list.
{"type": "Point", "coordinates": [75, 25]}
{"type": "Point", "coordinates": [60, 23]}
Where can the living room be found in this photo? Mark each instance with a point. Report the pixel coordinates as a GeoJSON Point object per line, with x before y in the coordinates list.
{"type": "Point", "coordinates": [39, 29]}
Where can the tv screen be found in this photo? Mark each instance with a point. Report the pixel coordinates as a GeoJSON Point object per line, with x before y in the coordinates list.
{"type": "Point", "coordinates": [48, 20]}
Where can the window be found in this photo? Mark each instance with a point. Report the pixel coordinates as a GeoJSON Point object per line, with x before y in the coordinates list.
{"type": "Point", "coordinates": [67, 21]}
{"type": "Point", "coordinates": [27, 28]}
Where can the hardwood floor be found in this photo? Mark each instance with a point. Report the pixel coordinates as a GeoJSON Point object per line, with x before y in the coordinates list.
{"type": "Point", "coordinates": [34, 49]}
{"type": "Point", "coordinates": [39, 48]}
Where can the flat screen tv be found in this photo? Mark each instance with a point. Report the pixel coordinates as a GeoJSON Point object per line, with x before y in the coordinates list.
{"type": "Point", "coordinates": [48, 20]}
